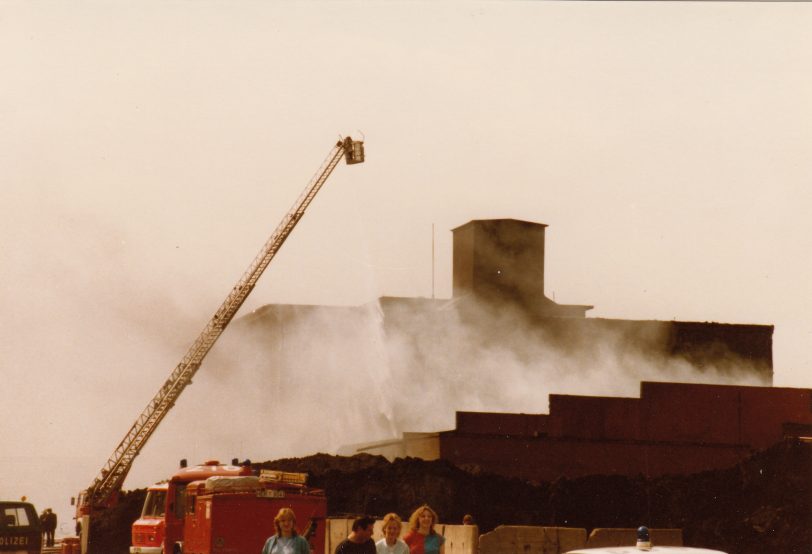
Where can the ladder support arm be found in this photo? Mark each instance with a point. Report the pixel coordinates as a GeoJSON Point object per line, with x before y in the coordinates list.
{"type": "Point", "coordinates": [114, 472]}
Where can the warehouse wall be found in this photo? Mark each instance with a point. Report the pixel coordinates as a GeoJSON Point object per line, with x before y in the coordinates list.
{"type": "Point", "coordinates": [671, 428]}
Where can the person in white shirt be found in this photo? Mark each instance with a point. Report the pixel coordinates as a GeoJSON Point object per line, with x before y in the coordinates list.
{"type": "Point", "coordinates": [391, 542]}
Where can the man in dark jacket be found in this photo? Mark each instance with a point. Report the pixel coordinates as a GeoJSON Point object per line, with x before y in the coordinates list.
{"type": "Point", "coordinates": [360, 540]}
{"type": "Point", "coordinates": [49, 526]}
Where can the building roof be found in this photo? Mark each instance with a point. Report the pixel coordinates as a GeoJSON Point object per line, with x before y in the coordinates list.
{"type": "Point", "coordinates": [471, 222]}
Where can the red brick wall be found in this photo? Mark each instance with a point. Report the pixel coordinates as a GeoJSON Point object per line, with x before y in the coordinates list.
{"type": "Point", "coordinates": [546, 459]}
{"type": "Point", "coordinates": [721, 414]}
{"type": "Point", "coordinates": [690, 413]}
{"type": "Point", "coordinates": [529, 425]}
{"type": "Point", "coordinates": [594, 417]}
{"type": "Point", "coordinates": [671, 428]}
{"type": "Point", "coordinates": [764, 411]}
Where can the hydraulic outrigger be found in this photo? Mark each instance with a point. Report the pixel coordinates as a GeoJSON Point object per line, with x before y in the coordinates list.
{"type": "Point", "coordinates": [103, 492]}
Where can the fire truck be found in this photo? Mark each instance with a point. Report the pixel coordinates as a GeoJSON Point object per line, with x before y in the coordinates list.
{"type": "Point", "coordinates": [225, 509]}
{"type": "Point", "coordinates": [103, 491]}
{"type": "Point", "coordinates": [160, 528]}
{"type": "Point", "coordinates": [236, 514]}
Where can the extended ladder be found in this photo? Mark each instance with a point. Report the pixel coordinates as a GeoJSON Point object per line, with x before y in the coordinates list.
{"type": "Point", "coordinates": [102, 491]}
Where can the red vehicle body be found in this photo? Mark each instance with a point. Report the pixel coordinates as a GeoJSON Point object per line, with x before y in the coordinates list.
{"type": "Point", "coordinates": [235, 515]}
{"type": "Point", "coordinates": [159, 530]}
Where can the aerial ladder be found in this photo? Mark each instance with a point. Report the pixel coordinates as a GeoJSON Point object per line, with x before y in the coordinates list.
{"type": "Point", "coordinates": [103, 492]}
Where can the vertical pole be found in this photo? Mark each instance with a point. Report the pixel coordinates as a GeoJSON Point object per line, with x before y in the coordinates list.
{"type": "Point", "coordinates": [432, 261]}
{"type": "Point", "coordinates": [84, 538]}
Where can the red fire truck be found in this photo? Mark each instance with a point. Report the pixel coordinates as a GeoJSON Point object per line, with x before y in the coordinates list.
{"type": "Point", "coordinates": [160, 528]}
{"type": "Point", "coordinates": [225, 509]}
{"type": "Point", "coordinates": [235, 515]}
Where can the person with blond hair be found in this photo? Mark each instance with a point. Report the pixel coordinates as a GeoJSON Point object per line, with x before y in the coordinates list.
{"type": "Point", "coordinates": [422, 538]}
{"type": "Point", "coordinates": [286, 540]}
{"type": "Point", "coordinates": [391, 542]}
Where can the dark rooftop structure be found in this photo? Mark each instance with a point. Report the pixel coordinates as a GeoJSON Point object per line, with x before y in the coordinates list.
{"type": "Point", "coordinates": [501, 262]}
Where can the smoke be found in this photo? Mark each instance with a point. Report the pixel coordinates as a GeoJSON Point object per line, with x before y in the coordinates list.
{"type": "Point", "coordinates": [295, 380]}
{"type": "Point", "coordinates": [78, 365]}
{"type": "Point", "coordinates": [89, 334]}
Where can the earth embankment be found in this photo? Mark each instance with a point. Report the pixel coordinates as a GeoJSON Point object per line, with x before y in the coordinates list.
{"type": "Point", "coordinates": [763, 504]}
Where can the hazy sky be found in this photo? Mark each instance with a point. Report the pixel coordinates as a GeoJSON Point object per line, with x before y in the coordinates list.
{"type": "Point", "coordinates": [148, 149]}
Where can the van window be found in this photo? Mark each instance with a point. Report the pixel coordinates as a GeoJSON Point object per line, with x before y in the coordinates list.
{"type": "Point", "coordinates": [15, 516]}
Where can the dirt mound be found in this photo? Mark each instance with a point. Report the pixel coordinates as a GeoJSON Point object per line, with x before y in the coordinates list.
{"type": "Point", "coordinates": [762, 505]}
{"type": "Point", "coordinates": [379, 487]}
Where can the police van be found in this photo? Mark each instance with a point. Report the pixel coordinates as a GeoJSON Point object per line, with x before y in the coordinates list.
{"type": "Point", "coordinates": [644, 544]}
{"type": "Point", "coordinates": [638, 550]}
{"type": "Point", "coordinates": [20, 531]}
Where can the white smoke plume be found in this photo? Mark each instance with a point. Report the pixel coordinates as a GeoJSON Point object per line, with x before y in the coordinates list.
{"type": "Point", "coordinates": [314, 379]}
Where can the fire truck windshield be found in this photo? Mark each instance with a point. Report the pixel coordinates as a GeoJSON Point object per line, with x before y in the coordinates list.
{"type": "Point", "coordinates": [155, 504]}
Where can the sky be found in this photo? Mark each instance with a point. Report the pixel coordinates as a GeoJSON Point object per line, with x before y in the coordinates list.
{"type": "Point", "coordinates": [149, 149]}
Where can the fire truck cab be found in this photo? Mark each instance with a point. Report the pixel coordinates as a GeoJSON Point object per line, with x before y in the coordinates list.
{"type": "Point", "coordinates": [159, 530]}
{"type": "Point", "coordinates": [236, 514]}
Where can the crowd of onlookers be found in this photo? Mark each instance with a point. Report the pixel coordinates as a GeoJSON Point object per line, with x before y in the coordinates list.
{"type": "Point", "coordinates": [420, 537]}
